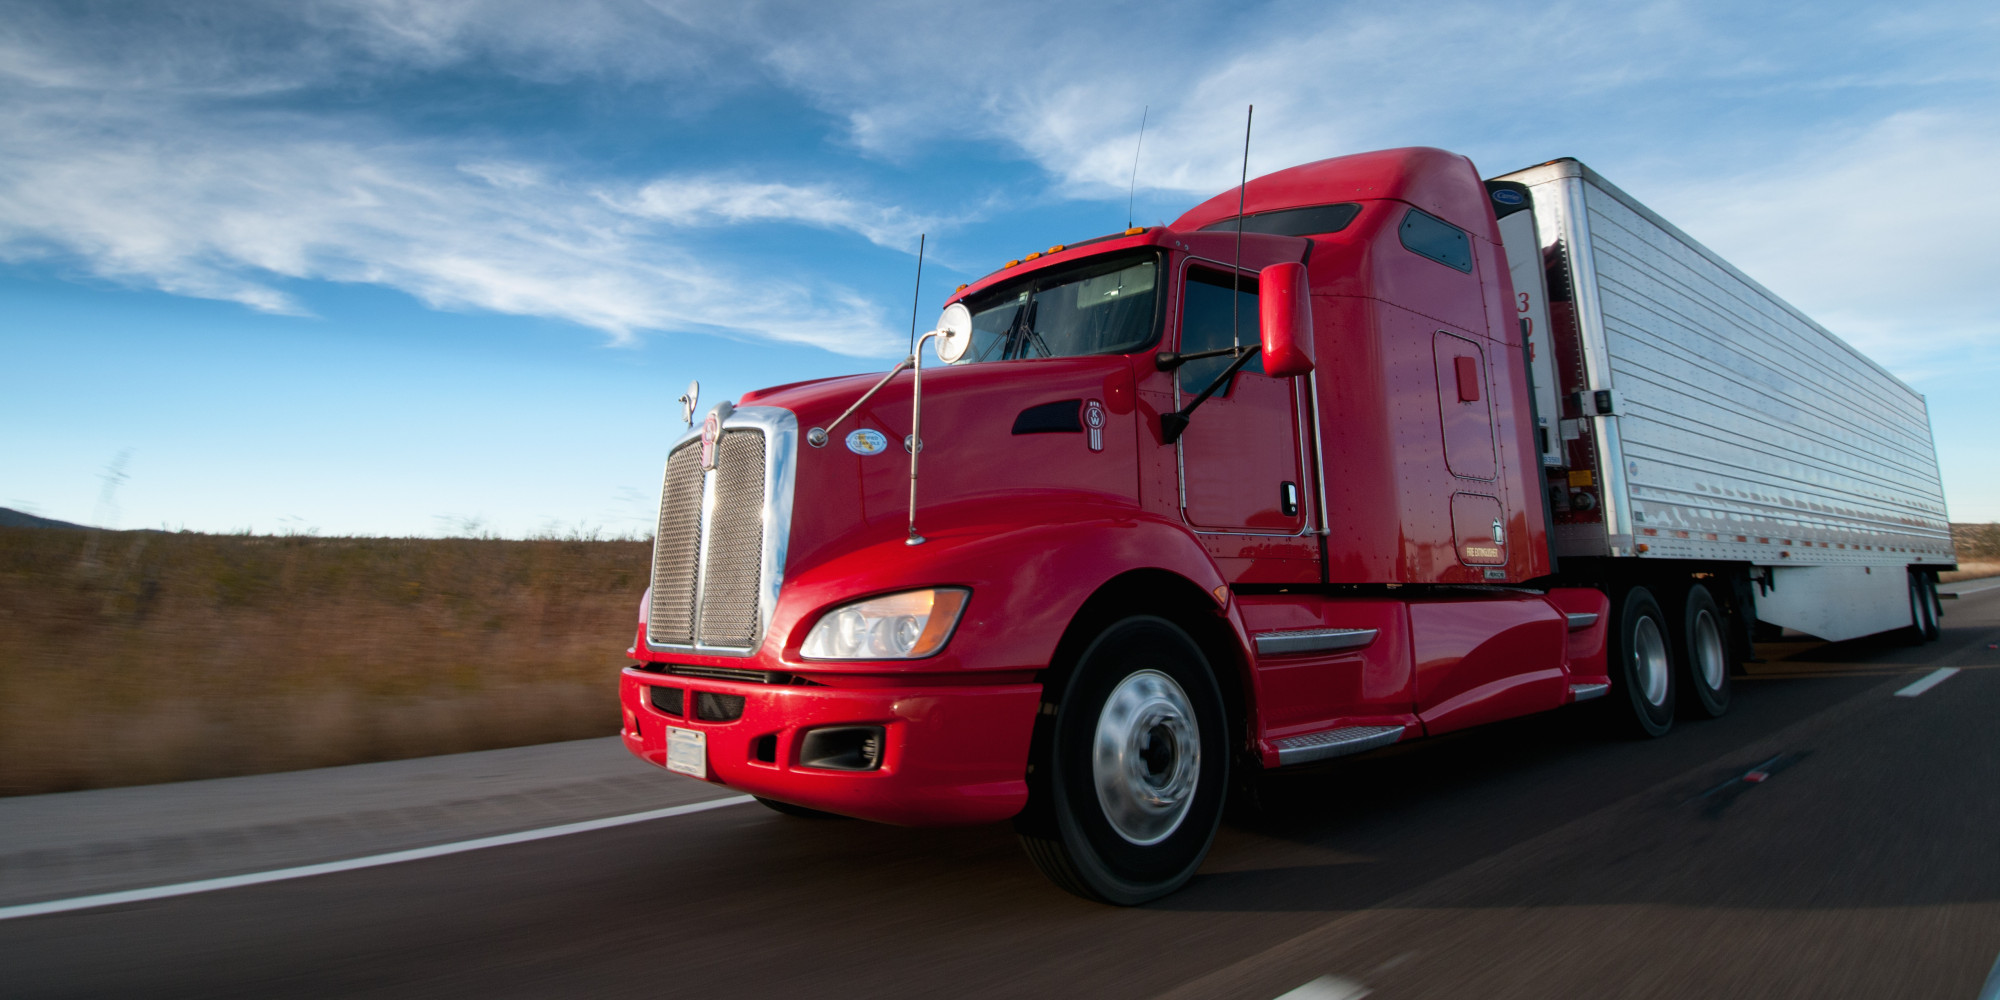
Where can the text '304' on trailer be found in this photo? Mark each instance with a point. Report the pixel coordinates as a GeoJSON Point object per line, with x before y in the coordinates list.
{"type": "Point", "coordinates": [1425, 452]}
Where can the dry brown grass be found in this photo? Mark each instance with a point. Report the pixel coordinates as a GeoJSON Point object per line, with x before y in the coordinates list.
{"type": "Point", "coordinates": [1978, 548]}
{"type": "Point", "coordinates": [1972, 569]}
{"type": "Point", "coordinates": [137, 657]}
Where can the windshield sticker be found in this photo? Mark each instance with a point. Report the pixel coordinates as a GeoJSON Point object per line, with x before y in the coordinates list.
{"type": "Point", "coordinates": [867, 442]}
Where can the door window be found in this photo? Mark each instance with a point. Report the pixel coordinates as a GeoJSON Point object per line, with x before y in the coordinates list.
{"type": "Point", "coordinates": [1206, 325]}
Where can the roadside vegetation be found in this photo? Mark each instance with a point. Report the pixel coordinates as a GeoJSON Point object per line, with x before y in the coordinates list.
{"type": "Point", "coordinates": [141, 656]}
{"type": "Point", "coordinates": [132, 657]}
{"type": "Point", "coordinates": [1978, 548]}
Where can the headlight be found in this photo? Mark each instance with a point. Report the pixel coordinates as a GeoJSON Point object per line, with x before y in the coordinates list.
{"type": "Point", "coordinates": [903, 626]}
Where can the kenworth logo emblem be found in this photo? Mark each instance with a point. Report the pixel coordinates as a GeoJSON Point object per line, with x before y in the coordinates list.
{"type": "Point", "coordinates": [710, 430]}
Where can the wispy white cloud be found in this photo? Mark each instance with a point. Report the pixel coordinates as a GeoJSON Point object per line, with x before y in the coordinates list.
{"type": "Point", "coordinates": [155, 200]}
{"type": "Point", "coordinates": [715, 200]}
{"type": "Point", "coordinates": [1882, 233]}
{"type": "Point", "coordinates": [159, 173]}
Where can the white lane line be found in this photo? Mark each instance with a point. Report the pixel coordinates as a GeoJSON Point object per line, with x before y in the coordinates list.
{"type": "Point", "coordinates": [1330, 988]}
{"type": "Point", "coordinates": [371, 861]}
{"type": "Point", "coordinates": [1930, 680]}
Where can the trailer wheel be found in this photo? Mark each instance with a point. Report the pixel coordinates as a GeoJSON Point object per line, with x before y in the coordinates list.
{"type": "Point", "coordinates": [1643, 672]}
{"type": "Point", "coordinates": [1137, 764]}
{"type": "Point", "coordinates": [1923, 608]}
{"type": "Point", "coordinates": [1704, 654]}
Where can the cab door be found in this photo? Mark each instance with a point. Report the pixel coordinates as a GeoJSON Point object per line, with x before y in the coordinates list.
{"type": "Point", "coordinates": [1242, 472]}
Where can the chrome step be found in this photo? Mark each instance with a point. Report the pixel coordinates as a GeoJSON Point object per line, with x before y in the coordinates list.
{"type": "Point", "coordinates": [1334, 743]}
{"type": "Point", "coordinates": [1581, 620]}
{"type": "Point", "coordinates": [1312, 640]}
{"type": "Point", "coordinates": [1585, 692]}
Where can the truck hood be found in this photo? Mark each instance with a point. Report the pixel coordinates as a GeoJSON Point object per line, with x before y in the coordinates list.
{"type": "Point", "coordinates": [1000, 439]}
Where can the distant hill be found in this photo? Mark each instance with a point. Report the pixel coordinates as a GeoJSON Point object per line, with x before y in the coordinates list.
{"type": "Point", "coordinates": [11, 518]}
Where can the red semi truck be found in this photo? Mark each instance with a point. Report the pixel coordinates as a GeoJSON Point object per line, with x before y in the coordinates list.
{"type": "Point", "coordinates": [1388, 452]}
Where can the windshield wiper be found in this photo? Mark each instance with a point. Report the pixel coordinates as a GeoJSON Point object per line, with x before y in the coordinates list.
{"type": "Point", "coordinates": [1172, 425]}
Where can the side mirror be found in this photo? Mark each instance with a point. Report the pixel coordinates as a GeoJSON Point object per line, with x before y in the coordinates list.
{"type": "Point", "coordinates": [1284, 314]}
{"type": "Point", "coordinates": [954, 333]}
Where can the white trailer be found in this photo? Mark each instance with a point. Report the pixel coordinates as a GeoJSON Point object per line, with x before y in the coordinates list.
{"type": "Point", "coordinates": [1687, 413]}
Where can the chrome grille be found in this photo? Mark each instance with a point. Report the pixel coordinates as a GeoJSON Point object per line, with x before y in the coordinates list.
{"type": "Point", "coordinates": [719, 557]}
{"type": "Point", "coordinates": [677, 550]}
{"type": "Point", "coordinates": [736, 542]}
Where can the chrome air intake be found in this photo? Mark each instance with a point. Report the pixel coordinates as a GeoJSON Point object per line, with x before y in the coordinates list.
{"type": "Point", "coordinates": [725, 519]}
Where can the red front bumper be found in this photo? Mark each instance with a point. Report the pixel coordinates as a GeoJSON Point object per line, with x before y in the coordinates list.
{"type": "Point", "coordinates": [951, 754]}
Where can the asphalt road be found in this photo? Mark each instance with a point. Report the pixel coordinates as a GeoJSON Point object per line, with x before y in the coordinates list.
{"type": "Point", "coordinates": [1538, 858]}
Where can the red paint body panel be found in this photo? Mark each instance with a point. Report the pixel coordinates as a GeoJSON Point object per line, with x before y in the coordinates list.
{"type": "Point", "coordinates": [1483, 659]}
{"type": "Point", "coordinates": [952, 754]}
{"type": "Point", "coordinates": [1307, 693]}
{"type": "Point", "coordinates": [1588, 647]}
{"type": "Point", "coordinates": [1425, 441]}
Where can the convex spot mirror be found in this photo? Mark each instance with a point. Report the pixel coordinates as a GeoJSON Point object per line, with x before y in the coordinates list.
{"type": "Point", "coordinates": [954, 333]}
{"type": "Point", "coordinates": [1284, 308]}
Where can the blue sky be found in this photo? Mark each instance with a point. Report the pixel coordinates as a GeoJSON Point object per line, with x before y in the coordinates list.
{"type": "Point", "coordinates": [401, 267]}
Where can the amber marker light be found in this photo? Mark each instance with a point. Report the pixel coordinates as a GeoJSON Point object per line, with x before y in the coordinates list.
{"type": "Point", "coordinates": [1011, 263]}
{"type": "Point", "coordinates": [1135, 230]}
{"type": "Point", "coordinates": [1058, 248]}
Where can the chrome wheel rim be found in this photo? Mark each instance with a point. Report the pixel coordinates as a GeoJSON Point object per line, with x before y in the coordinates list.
{"type": "Point", "coordinates": [1146, 757]}
{"type": "Point", "coordinates": [1649, 661]}
{"type": "Point", "coordinates": [1708, 656]}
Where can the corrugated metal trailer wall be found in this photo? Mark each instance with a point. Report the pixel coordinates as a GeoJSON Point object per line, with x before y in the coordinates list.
{"type": "Point", "coordinates": [1739, 429]}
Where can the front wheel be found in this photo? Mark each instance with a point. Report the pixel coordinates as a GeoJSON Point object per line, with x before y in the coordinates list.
{"type": "Point", "coordinates": [1133, 769]}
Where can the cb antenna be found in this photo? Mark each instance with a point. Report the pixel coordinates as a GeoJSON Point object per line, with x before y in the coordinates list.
{"type": "Point", "coordinates": [1236, 276]}
{"type": "Point", "coordinates": [1133, 187]}
{"type": "Point", "coordinates": [917, 296]}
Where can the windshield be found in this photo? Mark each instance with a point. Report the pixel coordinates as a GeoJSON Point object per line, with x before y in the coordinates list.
{"type": "Point", "coordinates": [1103, 306]}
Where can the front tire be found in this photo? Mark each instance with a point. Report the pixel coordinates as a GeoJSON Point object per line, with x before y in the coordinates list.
{"type": "Point", "coordinates": [1704, 658]}
{"type": "Point", "coordinates": [1643, 674]}
{"type": "Point", "coordinates": [1133, 770]}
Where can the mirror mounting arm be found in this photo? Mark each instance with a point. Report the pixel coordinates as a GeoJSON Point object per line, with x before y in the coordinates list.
{"type": "Point", "coordinates": [1167, 361]}
{"type": "Point", "coordinates": [1172, 425]}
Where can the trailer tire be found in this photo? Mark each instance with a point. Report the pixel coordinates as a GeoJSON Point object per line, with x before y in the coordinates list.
{"type": "Point", "coordinates": [1643, 673]}
{"type": "Point", "coordinates": [1135, 769]}
{"type": "Point", "coordinates": [1923, 608]}
{"type": "Point", "coordinates": [1703, 656]}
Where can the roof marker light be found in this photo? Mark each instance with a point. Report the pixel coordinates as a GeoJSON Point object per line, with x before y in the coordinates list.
{"type": "Point", "coordinates": [1011, 263]}
{"type": "Point", "coordinates": [1032, 256]}
{"type": "Point", "coordinates": [1135, 230]}
{"type": "Point", "coordinates": [1058, 248]}
{"type": "Point", "coordinates": [961, 288]}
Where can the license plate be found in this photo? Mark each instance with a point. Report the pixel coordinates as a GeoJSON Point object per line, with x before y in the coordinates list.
{"type": "Point", "coordinates": [687, 751]}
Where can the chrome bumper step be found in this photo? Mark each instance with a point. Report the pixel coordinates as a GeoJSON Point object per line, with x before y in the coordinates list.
{"type": "Point", "coordinates": [1334, 743]}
